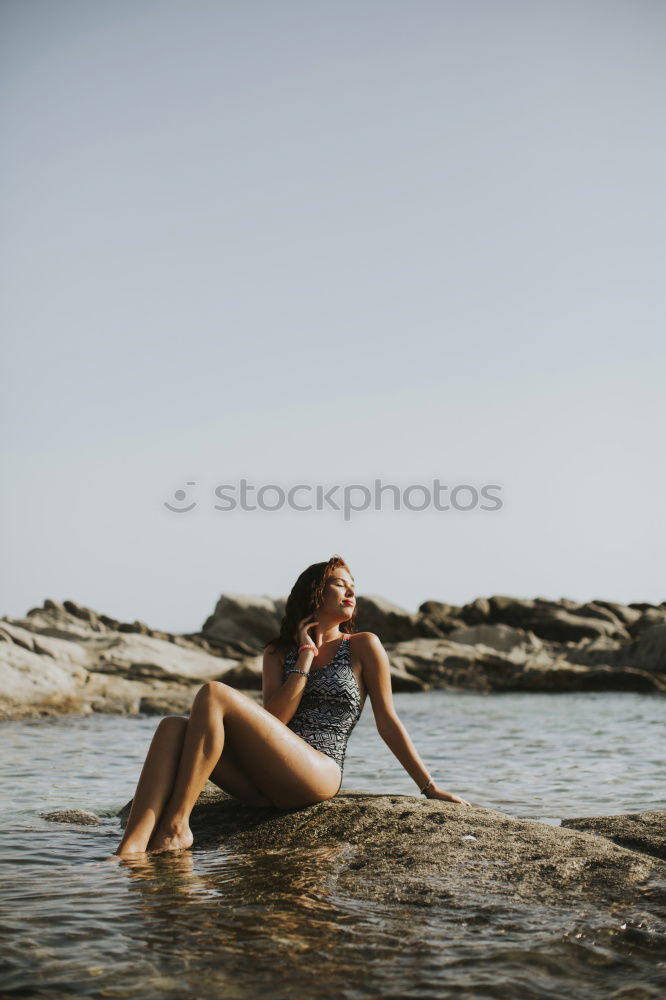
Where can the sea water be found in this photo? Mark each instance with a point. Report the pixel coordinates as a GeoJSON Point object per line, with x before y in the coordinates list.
{"type": "Point", "coordinates": [216, 924]}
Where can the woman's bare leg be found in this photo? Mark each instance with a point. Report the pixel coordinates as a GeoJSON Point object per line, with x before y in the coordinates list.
{"type": "Point", "coordinates": [157, 778]}
{"type": "Point", "coordinates": [155, 784]}
{"type": "Point", "coordinates": [230, 777]}
{"type": "Point", "coordinates": [275, 759]}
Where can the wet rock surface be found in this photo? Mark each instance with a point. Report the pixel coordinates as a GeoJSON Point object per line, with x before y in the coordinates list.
{"type": "Point", "coordinates": [644, 832]}
{"type": "Point", "coordinates": [409, 849]}
{"type": "Point", "coordinates": [79, 816]}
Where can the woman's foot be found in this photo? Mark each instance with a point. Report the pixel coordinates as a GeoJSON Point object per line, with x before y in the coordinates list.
{"type": "Point", "coordinates": [172, 839]}
{"type": "Point", "coordinates": [128, 850]}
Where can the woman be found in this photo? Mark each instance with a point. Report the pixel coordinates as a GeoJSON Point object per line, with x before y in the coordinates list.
{"type": "Point", "coordinates": [291, 752]}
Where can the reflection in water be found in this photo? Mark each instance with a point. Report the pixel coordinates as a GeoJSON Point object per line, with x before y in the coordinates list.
{"type": "Point", "coordinates": [274, 920]}
{"type": "Point", "coordinates": [216, 923]}
{"type": "Point", "coordinates": [222, 910]}
{"type": "Point", "coordinates": [222, 924]}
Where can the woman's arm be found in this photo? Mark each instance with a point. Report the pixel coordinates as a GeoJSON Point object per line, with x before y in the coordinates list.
{"type": "Point", "coordinates": [282, 699]}
{"type": "Point", "coordinates": [377, 678]}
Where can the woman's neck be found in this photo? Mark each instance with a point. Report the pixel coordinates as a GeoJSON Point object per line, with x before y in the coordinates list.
{"type": "Point", "coordinates": [327, 634]}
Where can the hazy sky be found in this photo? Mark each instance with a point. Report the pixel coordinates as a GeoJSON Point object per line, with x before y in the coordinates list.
{"type": "Point", "coordinates": [322, 244]}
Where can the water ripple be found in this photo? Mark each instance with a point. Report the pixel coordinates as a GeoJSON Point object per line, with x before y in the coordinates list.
{"type": "Point", "coordinates": [273, 921]}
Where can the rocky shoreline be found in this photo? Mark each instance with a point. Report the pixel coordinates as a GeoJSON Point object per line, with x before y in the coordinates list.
{"type": "Point", "coordinates": [408, 849]}
{"type": "Point", "coordinates": [65, 658]}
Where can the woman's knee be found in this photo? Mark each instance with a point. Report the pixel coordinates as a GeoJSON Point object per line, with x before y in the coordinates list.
{"type": "Point", "coordinates": [216, 691]}
{"type": "Point", "coordinates": [172, 725]}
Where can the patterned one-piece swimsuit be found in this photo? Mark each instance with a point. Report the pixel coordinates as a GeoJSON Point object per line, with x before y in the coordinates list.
{"type": "Point", "coordinates": [330, 705]}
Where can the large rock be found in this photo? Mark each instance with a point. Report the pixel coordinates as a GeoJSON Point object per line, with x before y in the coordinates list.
{"type": "Point", "coordinates": [622, 612]}
{"type": "Point", "coordinates": [64, 658]}
{"type": "Point", "coordinates": [409, 849]}
{"type": "Point", "coordinates": [526, 666]}
{"type": "Point", "coordinates": [80, 817]}
{"type": "Point", "coordinates": [649, 618]}
{"type": "Point", "coordinates": [31, 682]}
{"type": "Point", "coordinates": [644, 832]}
{"type": "Point", "coordinates": [247, 618]}
{"type": "Point", "coordinates": [390, 622]}
{"type": "Point", "coordinates": [502, 638]}
{"type": "Point", "coordinates": [437, 618]}
{"type": "Point", "coordinates": [646, 652]}
{"type": "Point", "coordinates": [557, 621]}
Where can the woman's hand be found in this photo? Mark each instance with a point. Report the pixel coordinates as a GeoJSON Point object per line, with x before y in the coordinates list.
{"type": "Point", "coordinates": [437, 793]}
{"type": "Point", "coordinates": [303, 637]}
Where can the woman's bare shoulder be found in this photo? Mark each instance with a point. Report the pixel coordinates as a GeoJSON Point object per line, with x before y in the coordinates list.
{"type": "Point", "coordinates": [274, 655]}
{"type": "Point", "coordinates": [362, 639]}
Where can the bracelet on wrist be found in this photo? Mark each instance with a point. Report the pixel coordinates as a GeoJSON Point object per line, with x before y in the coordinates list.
{"type": "Point", "coordinates": [295, 670]}
{"type": "Point", "coordinates": [426, 786]}
{"type": "Point", "coordinates": [309, 645]}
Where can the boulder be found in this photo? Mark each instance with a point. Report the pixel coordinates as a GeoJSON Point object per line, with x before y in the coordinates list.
{"type": "Point", "coordinates": [593, 610]}
{"type": "Point", "coordinates": [247, 675]}
{"type": "Point", "coordinates": [644, 832]}
{"type": "Point", "coordinates": [560, 624]}
{"type": "Point", "coordinates": [403, 680]}
{"type": "Point", "coordinates": [34, 683]}
{"type": "Point", "coordinates": [390, 622]}
{"type": "Point", "coordinates": [162, 703]}
{"type": "Point", "coordinates": [78, 816]}
{"type": "Point", "coordinates": [478, 611]}
{"type": "Point", "coordinates": [646, 652]}
{"type": "Point", "coordinates": [590, 652]}
{"type": "Point", "coordinates": [409, 849]}
{"type": "Point", "coordinates": [139, 656]}
{"type": "Point", "coordinates": [628, 616]}
{"type": "Point", "coordinates": [649, 618]}
{"type": "Point", "coordinates": [502, 638]}
{"type": "Point", "coordinates": [556, 621]}
{"type": "Point", "coordinates": [64, 658]}
{"type": "Point", "coordinates": [247, 618]}
{"type": "Point", "coordinates": [435, 618]}
{"type": "Point", "coordinates": [531, 666]}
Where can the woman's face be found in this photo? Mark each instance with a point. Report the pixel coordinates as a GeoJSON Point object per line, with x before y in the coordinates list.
{"type": "Point", "coordinates": [339, 595]}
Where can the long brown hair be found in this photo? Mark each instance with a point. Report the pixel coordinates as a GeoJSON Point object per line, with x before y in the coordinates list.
{"type": "Point", "coordinates": [306, 596]}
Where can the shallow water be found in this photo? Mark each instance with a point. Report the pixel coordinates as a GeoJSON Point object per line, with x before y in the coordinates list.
{"type": "Point", "coordinates": [214, 923]}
